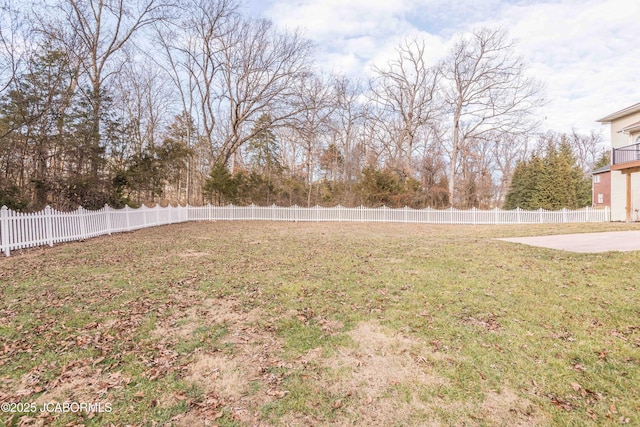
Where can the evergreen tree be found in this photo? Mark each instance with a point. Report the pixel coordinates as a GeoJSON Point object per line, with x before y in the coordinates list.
{"type": "Point", "coordinates": [553, 181]}
{"type": "Point", "coordinates": [265, 160]}
{"type": "Point", "coordinates": [263, 148]}
{"type": "Point", "coordinates": [33, 115]}
{"type": "Point", "coordinates": [603, 160]}
{"type": "Point", "coordinates": [524, 184]}
{"type": "Point", "coordinates": [220, 186]}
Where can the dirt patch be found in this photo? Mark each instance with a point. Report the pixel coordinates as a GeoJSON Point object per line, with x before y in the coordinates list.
{"type": "Point", "coordinates": [220, 373]}
{"type": "Point", "coordinates": [489, 322]}
{"type": "Point", "coordinates": [209, 311]}
{"type": "Point", "coordinates": [389, 379]}
{"type": "Point", "coordinates": [239, 378]}
{"type": "Point", "coordinates": [507, 408]}
{"type": "Point", "coordinates": [374, 373]}
{"type": "Point", "coordinates": [189, 253]}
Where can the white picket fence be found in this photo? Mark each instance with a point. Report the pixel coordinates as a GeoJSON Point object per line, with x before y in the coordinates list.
{"type": "Point", "coordinates": [47, 227]}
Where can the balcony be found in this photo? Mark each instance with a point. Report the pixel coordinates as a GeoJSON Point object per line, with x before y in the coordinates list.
{"type": "Point", "coordinates": [626, 157]}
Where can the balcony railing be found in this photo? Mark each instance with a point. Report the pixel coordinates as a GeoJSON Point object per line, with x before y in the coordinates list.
{"type": "Point", "coordinates": [630, 153]}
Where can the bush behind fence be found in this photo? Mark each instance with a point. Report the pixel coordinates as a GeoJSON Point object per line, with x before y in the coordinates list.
{"type": "Point", "coordinates": [47, 227]}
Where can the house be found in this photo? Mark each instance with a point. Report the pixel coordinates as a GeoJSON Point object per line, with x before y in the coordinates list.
{"type": "Point", "coordinates": [601, 187]}
{"type": "Point", "coordinates": [625, 163]}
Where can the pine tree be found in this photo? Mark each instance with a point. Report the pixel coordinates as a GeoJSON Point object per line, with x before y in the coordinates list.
{"type": "Point", "coordinates": [524, 184]}
{"type": "Point", "coordinates": [553, 181]}
{"type": "Point", "coordinates": [220, 186]}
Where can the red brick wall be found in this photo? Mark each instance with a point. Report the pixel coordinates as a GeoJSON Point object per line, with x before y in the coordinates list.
{"type": "Point", "coordinates": [603, 187]}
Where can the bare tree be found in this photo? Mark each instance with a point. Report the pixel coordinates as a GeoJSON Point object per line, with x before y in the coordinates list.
{"type": "Point", "coordinates": [95, 32]}
{"type": "Point", "coordinates": [144, 98]}
{"type": "Point", "coordinates": [507, 151]}
{"type": "Point", "coordinates": [196, 47]}
{"type": "Point", "coordinates": [11, 26]}
{"type": "Point", "coordinates": [233, 69]}
{"type": "Point", "coordinates": [191, 48]}
{"type": "Point", "coordinates": [16, 39]}
{"type": "Point", "coordinates": [315, 103]}
{"type": "Point", "coordinates": [346, 126]}
{"type": "Point", "coordinates": [260, 71]}
{"type": "Point", "coordinates": [487, 93]}
{"type": "Point", "coordinates": [587, 148]}
{"type": "Point", "coordinates": [404, 92]}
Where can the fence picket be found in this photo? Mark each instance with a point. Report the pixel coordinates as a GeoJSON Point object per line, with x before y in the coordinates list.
{"type": "Point", "coordinates": [4, 230]}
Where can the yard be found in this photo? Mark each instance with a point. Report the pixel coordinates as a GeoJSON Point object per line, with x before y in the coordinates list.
{"type": "Point", "coordinates": [273, 324]}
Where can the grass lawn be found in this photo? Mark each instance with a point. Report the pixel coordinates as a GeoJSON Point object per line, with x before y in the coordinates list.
{"type": "Point", "coordinates": [274, 324]}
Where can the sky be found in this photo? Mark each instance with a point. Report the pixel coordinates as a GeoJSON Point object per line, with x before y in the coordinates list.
{"type": "Point", "coordinates": [586, 53]}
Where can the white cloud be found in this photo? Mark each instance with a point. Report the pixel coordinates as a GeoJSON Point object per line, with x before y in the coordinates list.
{"type": "Point", "coordinates": [584, 51]}
{"type": "Point", "coordinates": [323, 19]}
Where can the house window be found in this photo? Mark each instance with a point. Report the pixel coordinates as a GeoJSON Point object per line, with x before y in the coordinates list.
{"type": "Point", "coordinates": [600, 198]}
{"type": "Point", "coordinates": [596, 178]}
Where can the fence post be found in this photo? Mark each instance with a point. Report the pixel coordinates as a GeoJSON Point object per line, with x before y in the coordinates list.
{"type": "Point", "coordinates": [48, 225]}
{"type": "Point", "coordinates": [126, 216]}
{"type": "Point", "coordinates": [4, 230]}
{"type": "Point", "coordinates": [143, 208]}
{"type": "Point", "coordinates": [83, 226]}
{"type": "Point", "coordinates": [107, 216]}
{"type": "Point", "coordinates": [541, 218]}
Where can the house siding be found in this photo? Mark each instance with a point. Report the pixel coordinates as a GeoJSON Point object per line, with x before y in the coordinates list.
{"type": "Point", "coordinates": [627, 118]}
{"type": "Point", "coordinates": [619, 138]}
{"type": "Point", "coordinates": [619, 196]}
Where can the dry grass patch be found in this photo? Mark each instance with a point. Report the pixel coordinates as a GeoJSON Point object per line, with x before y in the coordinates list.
{"type": "Point", "coordinates": [380, 367]}
{"type": "Point", "coordinates": [506, 408]}
{"type": "Point", "coordinates": [237, 376]}
{"type": "Point", "coordinates": [388, 379]}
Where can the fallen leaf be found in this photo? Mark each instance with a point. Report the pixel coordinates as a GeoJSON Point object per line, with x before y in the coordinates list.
{"type": "Point", "coordinates": [578, 367]}
{"type": "Point", "coordinates": [561, 403]}
{"type": "Point", "coordinates": [277, 393]}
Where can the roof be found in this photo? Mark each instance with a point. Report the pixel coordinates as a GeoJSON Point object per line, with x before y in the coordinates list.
{"type": "Point", "coordinates": [622, 113]}
{"type": "Point", "coordinates": [601, 170]}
